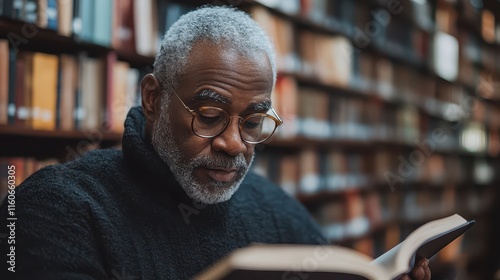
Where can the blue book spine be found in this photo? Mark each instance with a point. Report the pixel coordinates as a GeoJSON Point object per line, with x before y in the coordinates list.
{"type": "Point", "coordinates": [102, 22]}
{"type": "Point", "coordinates": [52, 14]}
{"type": "Point", "coordinates": [30, 11]}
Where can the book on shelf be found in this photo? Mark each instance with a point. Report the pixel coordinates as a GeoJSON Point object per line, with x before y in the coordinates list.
{"type": "Point", "coordinates": [313, 113]}
{"type": "Point", "coordinates": [357, 223]}
{"type": "Point", "coordinates": [288, 174]}
{"type": "Point", "coordinates": [281, 32]}
{"type": "Point", "coordinates": [271, 261]}
{"type": "Point", "coordinates": [445, 59]}
{"type": "Point", "coordinates": [65, 92]}
{"type": "Point", "coordinates": [93, 21]}
{"type": "Point", "coordinates": [4, 80]}
{"type": "Point", "coordinates": [123, 26]}
{"type": "Point", "coordinates": [44, 91]}
{"type": "Point", "coordinates": [332, 219]}
{"type": "Point", "coordinates": [69, 87]}
{"type": "Point", "coordinates": [309, 170]}
{"type": "Point", "coordinates": [92, 99]}
{"type": "Point", "coordinates": [168, 13]}
{"type": "Point", "coordinates": [145, 27]}
{"type": "Point", "coordinates": [285, 96]}
{"type": "Point", "coordinates": [64, 17]}
{"type": "Point", "coordinates": [488, 26]}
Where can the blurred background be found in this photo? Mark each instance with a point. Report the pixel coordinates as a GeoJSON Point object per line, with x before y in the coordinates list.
{"type": "Point", "coordinates": [391, 107]}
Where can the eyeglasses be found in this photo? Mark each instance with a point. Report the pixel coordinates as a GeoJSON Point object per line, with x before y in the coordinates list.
{"type": "Point", "coordinates": [209, 122]}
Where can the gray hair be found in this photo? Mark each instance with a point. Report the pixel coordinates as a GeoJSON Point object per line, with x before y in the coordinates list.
{"type": "Point", "coordinates": [216, 24]}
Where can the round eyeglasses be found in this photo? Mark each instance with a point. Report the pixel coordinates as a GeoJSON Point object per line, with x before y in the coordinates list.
{"type": "Point", "coordinates": [209, 122]}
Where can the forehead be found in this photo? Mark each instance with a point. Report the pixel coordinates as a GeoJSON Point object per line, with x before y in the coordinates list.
{"type": "Point", "coordinates": [226, 68]}
{"type": "Point", "coordinates": [210, 52]}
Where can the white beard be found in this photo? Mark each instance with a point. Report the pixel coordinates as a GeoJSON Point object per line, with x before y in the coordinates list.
{"type": "Point", "coordinates": [210, 193]}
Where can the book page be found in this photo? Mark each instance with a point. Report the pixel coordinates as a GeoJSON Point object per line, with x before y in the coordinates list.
{"type": "Point", "coordinates": [297, 259]}
{"type": "Point", "coordinates": [436, 234]}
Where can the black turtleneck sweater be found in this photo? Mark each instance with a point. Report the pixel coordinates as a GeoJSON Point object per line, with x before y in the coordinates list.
{"type": "Point", "coordinates": [120, 214]}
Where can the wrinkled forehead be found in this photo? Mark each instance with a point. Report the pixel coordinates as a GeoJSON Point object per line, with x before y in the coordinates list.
{"type": "Point", "coordinates": [205, 54]}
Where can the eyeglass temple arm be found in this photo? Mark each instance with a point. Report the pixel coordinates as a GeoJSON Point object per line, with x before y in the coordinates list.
{"type": "Point", "coordinates": [182, 102]}
{"type": "Point", "coordinates": [277, 116]}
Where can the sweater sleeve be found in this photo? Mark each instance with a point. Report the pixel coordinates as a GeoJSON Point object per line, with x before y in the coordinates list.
{"type": "Point", "coordinates": [51, 234]}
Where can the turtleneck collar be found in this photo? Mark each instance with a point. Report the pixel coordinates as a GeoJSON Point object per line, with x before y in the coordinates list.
{"type": "Point", "coordinates": [140, 155]}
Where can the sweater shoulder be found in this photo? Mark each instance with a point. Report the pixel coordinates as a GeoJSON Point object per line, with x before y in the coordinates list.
{"type": "Point", "coordinates": [96, 160]}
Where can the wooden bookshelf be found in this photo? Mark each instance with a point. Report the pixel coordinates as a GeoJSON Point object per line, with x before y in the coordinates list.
{"type": "Point", "coordinates": [368, 146]}
{"type": "Point", "coordinates": [8, 131]}
{"type": "Point", "coordinates": [49, 41]}
{"type": "Point", "coordinates": [61, 145]}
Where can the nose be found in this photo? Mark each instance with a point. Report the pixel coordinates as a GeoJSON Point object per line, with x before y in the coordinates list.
{"type": "Point", "coordinates": [229, 141]}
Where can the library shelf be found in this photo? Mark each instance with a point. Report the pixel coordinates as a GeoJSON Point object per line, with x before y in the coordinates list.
{"type": "Point", "coordinates": [465, 24]}
{"type": "Point", "coordinates": [53, 143]}
{"type": "Point", "coordinates": [372, 95]}
{"type": "Point", "coordinates": [326, 195]}
{"type": "Point", "coordinates": [297, 19]}
{"type": "Point", "coordinates": [28, 36]}
{"type": "Point", "coordinates": [299, 142]}
{"type": "Point", "coordinates": [11, 131]}
{"type": "Point", "coordinates": [374, 229]}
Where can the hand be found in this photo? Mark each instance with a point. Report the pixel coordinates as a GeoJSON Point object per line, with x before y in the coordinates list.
{"type": "Point", "coordinates": [421, 271]}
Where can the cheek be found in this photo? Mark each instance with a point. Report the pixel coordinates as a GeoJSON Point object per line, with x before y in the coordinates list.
{"type": "Point", "coordinates": [192, 146]}
{"type": "Point", "coordinates": [249, 154]}
{"type": "Point", "coordinates": [188, 143]}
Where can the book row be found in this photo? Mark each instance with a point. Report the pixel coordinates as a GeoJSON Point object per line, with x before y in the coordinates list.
{"type": "Point", "coordinates": [332, 58]}
{"type": "Point", "coordinates": [126, 25]}
{"type": "Point", "coordinates": [311, 171]}
{"type": "Point", "coordinates": [121, 24]}
{"type": "Point", "coordinates": [357, 214]}
{"type": "Point", "coordinates": [364, 17]}
{"type": "Point", "coordinates": [65, 92]}
{"type": "Point", "coordinates": [469, 124]}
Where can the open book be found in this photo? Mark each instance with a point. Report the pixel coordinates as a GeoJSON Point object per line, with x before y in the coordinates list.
{"type": "Point", "coordinates": [316, 262]}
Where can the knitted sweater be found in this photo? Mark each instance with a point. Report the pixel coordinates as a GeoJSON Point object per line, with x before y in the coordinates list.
{"type": "Point", "coordinates": [120, 214]}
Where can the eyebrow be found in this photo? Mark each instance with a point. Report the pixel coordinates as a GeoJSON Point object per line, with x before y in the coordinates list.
{"type": "Point", "coordinates": [214, 96]}
{"type": "Point", "coordinates": [261, 106]}
{"type": "Point", "coordinates": [211, 95]}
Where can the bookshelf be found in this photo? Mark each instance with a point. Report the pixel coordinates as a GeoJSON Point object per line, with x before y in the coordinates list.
{"type": "Point", "coordinates": [380, 135]}
{"type": "Point", "coordinates": [424, 98]}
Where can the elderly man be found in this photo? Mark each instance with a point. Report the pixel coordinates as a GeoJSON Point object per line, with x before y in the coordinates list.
{"type": "Point", "coordinates": [177, 197]}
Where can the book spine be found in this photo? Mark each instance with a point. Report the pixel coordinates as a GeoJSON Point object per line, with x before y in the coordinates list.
{"type": "Point", "coordinates": [11, 110]}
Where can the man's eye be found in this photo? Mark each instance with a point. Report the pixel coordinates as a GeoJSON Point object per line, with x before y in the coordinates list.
{"type": "Point", "coordinates": [252, 123]}
{"type": "Point", "coordinates": [210, 119]}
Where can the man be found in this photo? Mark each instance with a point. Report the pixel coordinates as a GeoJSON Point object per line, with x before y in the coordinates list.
{"type": "Point", "coordinates": [177, 198]}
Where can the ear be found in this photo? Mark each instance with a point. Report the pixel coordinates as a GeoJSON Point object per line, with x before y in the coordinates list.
{"type": "Point", "coordinates": [151, 96]}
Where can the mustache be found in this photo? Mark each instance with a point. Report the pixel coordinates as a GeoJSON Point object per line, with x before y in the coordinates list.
{"type": "Point", "coordinates": [220, 161]}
